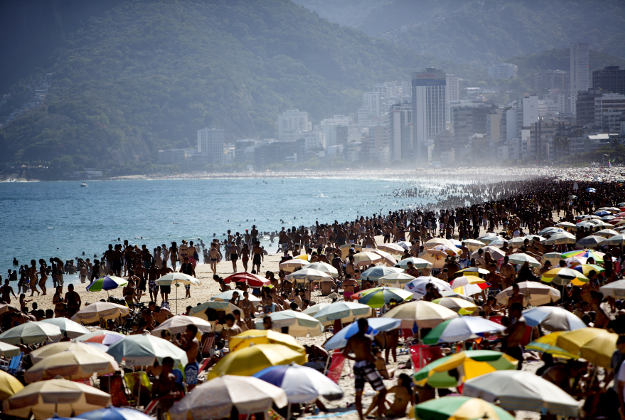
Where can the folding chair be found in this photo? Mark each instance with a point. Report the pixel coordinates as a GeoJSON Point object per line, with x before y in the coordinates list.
{"type": "Point", "coordinates": [15, 364]}
{"type": "Point", "coordinates": [337, 361]}
{"type": "Point", "coordinates": [421, 355]}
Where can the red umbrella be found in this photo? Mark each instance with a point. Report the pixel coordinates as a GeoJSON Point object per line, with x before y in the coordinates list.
{"type": "Point", "coordinates": [252, 279]}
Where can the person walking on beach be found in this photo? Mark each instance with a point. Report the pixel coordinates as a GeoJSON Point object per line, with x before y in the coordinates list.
{"type": "Point", "coordinates": [173, 255]}
{"type": "Point", "coordinates": [257, 256]}
{"type": "Point", "coordinates": [187, 268]}
{"type": "Point", "coordinates": [6, 291]}
{"type": "Point", "coordinates": [214, 256]}
{"type": "Point", "coordinates": [364, 366]}
{"type": "Point", "coordinates": [32, 274]}
{"type": "Point", "coordinates": [43, 275]}
{"type": "Point", "coordinates": [72, 300]}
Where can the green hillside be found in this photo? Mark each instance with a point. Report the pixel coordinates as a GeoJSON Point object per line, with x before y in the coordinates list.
{"type": "Point", "coordinates": [147, 74]}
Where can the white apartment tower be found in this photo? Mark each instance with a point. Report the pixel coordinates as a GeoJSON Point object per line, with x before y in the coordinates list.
{"type": "Point", "coordinates": [428, 104]}
{"type": "Point", "coordinates": [579, 71]}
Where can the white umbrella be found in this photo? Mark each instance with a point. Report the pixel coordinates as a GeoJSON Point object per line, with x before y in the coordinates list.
{"type": "Point", "coordinates": [366, 258]}
{"type": "Point", "coordinates": [345, 311]}
{"type": "Point", "coordinates": [375, 273]}
{"type": "Point", "coordinates": [553, 318]}
{"type": "Point", "coordinates": [392, 248]}
{"type": "Point", "coordinates": [494, 252]}
{"type": "Point", "coordinates": [473, 244]}
{"type": "Point", "coordinates": [535, 293]}
{"type": "Point", "coordinates": [387, 258]}
{"type": "Point", "coordinates": [405, 244]}
{"type": "Point", "coordinates": [418, 285]}
{"type": "Point", "coordinates": [55, 348]}
{"type": "Point", "coordinates": [178, 324]}
{"type": "Point", "coordinates": [32, 332]}
{"type": "Point", "coordinates": [100, 310]}
{"type": "Point", "coordinates": [177, 278]}
{"type": "Point", "coordinates": [522, 258]}
{"type": "Point", "coordinates": [324, 268]}
{"type": "Point", "coordinates": [418, 263]}
{"type": "Point", "coordinates": [566, 225]}
{"type": "Point", "coordinates": [424, 314]}
{"type": "Point", "coordinates": [396, 279]}
{"type": "Point", "coordinates": [297, 324]}
{"type": "Point", "coordinates": [72, 365]}
{"type": "Point", "coordinates": [607, 233]}
{"type": "Point", "coordinates": [308, 274]}
{"type": "Point", "coordinates": [560, 238]}
{"type": "Point", "coordinates": [67, 326]}
{"type": "Point", "coordinates": [217, 397]}
{"type": "Point", "coordinates": [8, 350]}
{"type": "Point", "coordinates": [615, 289]}
{"type": "Point", "coordinates": [312, 310]}
{"type": "Point", "coordinates": [522, 390]}
{"type": "Point", "coordinates": [489, 237]}
{"type": "Point", "coordinates": [294, 264]}
{"type": "Point", "coordinates": [615, 240]}
{"type": "Point", "coordinates": [143, 350]}
{"type": "Point", "coordinates": [590, 241]}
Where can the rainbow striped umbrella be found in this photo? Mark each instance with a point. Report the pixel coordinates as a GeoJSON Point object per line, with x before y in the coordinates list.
{"type": "Point", "coordinates": [585, 253]}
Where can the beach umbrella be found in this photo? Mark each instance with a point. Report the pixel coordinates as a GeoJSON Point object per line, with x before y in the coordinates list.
{"type": "Point", "coordinates": [249, 360]}
{"type": "Point", "coordinates": [444, 250]}
{"type": "Point", "coordinates": [396, 279]}
{"type": "Point", "coordinates": [228, 294]}
{"type": "Point", "coordinates": [72, 365]}
{"type": "Point", "coordinates": [312, 310]}
{"type": "Point", "coordinates": [469, 364]}
{"type": "Point", "coordinates": [67, 326]}
{"type": "Point", "coordinates": [419, 284]}
{"type": "Point", "coordinates": [366, 258]}
{"type": "Point", "coordinates": [460, 329]}
{"type": "Point", "coordinates": [431, 243]}
{"type": "Point", "coordinates": [460, 306]}
{"type": "Point", "coordinates": [345, 311]}
{"type": "Point", "coordinates": [554, 318]}
{"type": "Point", "coordinates": [607, 234]}
{"type": "Point", "coordinates": [9, 385]}
{"type": "Point", "coordinates": [586, 269]}
{"type": "Point", "coordinates": [32, 332]}
{"type": "Point", "coordinates": [308, 275]}
{"type": "Point", "coordinates": [375, 273]}
{"type": "Point", "coordinates": [548, 231]}
{"type": "Point", "coordinates": [535, 293]}
{"type": "Point", "coordinates": [567, 225]}
{"type": "Point", "coordinates": [376, 325]}
{"type": "Point", "coordinates": [387, 258]}
{"type": "Point", "coordinates": [104, 337]}
{"type": "Point", "coordinates": [143, 350]}
{"type": "Point", "coordinates": [294, 264]}
{"type": "Point", "coordinates": [114, 413]}
{"type": "Point", "coordinates": [473, 271]}
{"type": "Point", "coordinates": [8, 350]}
{"type": "Point", "coordinates": [494, 252]}
{"type": "Point", "coordinates": [560, 238]}
{"type": "Point", "coordinates": [55, 348]}
{"type": "Point", "coordinates": [297, 324]}
{"type": "Point", "coordinates": [593, 344]}
{"type": "Point", "coordinates": [177, 278]}
{"type": "Point", "coordinates": [547, 344]}
{"type": "Point", "coordinates": [324, 268]}
{"type": "Point", "coordinates": [393, 248]}
{"type": "Point", "coordinates": [347, 247]}
{"type": "Point", "coordinates": [301, 384]}
{"type": "Point", "coordinates": [98, 311]}
{"type": "Point", "coordinates": [615, 289]}
{"type": "Point", "coordinates": [216, 398]}
{"type": "Point", "coordinates": [522, 390]}
{"type": "Point", "coordinates": [617, 239]}
{"type": "Point", "coordinates": [464, 280]}
{"type": "Point", "coordinates": [106, 283]}
{"type": "Point", "coordinates": [562, 276]}
{"type": "Point", "coordinates": [200, 310]}
{"type": "Point", "coordinates": [489, 237]}
{"type": "Point", "coordinates": [553, 257]}
{"type": "Point", "coordinates": [380, 296]}
{"type": "Point", "coordinates": [252, 280]}
{"type": "Point", "coordinates": [590, 241]}
{"type": "Point", "coordinates": [423, 314]}
{"type": "Point", "coordinates": [522, 258]}
{"type": "Point", "coordinates": [469, 285]}
{"type": "Point", "coordinates": [473, 244]}
{"type": "Point", "coordinates": [405, 244]}
{"type": "Point", "coordinates": [418, 263]}
{"type": "Point", "coordinates": [459, 408]}
{"type": "Point", "coordinates": [178, 324]}
{"type": "Point", "coordinates": [60, 397]}
{"type": "Point", "coordinates": [5, 307]}
{"type": "Point", "coordinates": [252, 337]}
{"type": "Point", "coordinates": [585, 253]}
{"type": "Point", "coordinates": [303, 257]}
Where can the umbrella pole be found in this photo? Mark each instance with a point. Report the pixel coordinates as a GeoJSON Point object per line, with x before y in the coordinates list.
{"type": "Point", "coordinates": [176, 298]}
{"type": "Point", "coordinates": [288, 412]}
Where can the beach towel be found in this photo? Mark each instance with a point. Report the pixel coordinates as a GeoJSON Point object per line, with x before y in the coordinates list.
{"type": "Point", "coordinates": [336, 365]}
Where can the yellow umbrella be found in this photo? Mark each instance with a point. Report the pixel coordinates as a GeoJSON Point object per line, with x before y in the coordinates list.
{"type": "Point", "coordinates": [72, 365]}
{"type": "Point", "coordinates": [461, 306]}
{"type": "Point", "coordinates": [594, 344]}
{"type": "Point", "coordinates": [249, 360]}
{"type": "Point", "coordinates": [57, 396]}
{"type": "Point", "coordinates": [253, 337]}
{"type": "Point", "coordinates": [547, 344]}
{"type": "Point", "coordinates": [9, 385]}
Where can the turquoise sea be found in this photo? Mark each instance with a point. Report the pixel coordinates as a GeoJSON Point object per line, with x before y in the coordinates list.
{"type": "Point", "coordinates": [45, 219]}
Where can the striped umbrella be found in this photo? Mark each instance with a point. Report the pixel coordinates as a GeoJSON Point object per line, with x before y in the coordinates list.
{"type": "Point", "coordinates": [459, 408]}
{"type": "Point", "coordinates": [380, 296]}
{"type": "Point", "coordinates": [585, 253]}
{"type": "Point", "coordinates": [547, 344]}
{"type": "Point", "coordinates": [106, 283]}
{"type": "Point", "coordinates": [562, 276]}
{"type": "Point", "coordinates": [461, 306]}
{"type": "Point", "coordinates": [460, 329]}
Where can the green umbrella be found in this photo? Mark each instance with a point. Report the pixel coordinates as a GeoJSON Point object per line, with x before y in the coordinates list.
{"type": "Point", "coordinates": [460, 407]}
{"type": "Point", "coordinates": [106, 283]}
{"type": "Point", "coordinates": [379, 296]}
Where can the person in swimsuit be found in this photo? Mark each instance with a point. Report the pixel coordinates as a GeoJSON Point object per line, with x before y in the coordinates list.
{"type": "Point", "coordinates": [43, 275]}
{"type": "Point", "coordinates": [214, 256]}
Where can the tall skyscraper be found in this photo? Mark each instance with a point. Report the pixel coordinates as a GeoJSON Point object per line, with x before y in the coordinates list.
{"type": "Point", "coordinates": [609, 79]}
{"type": "Point", "coordinates": [452, 94]}
{"type": "Point", "coordinates": [210, 144]}
{"type": "Point", "coordinates": [579, 71]}
{"type": "Point", "coordinates": [428, 104]}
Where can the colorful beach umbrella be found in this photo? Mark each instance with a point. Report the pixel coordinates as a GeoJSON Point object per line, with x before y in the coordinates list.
{"type": "Point", "coordinates": [301, 384]}
{"type": "Point", "coordinates": [114, 413]}
{"type": "Point", "coordinates": [144, 350]}
{"type": "Point", "coordinates": [106, 283]}
{"type": "Point", "coordinates": [459, 408]}
{"type": "Point", "coordinates": [535, 293]}
{"type": "Point", "coordinates": [252, 280]}
{"type": "Point", "coordinates": [376, 325]}
{"type": "Point", "coordinates": [593, 344]}
{"type": "Point", "coordinates": [252, 337]}
{"type": "Point", "coordinates": [423, 314]}
{"type": "Point", "coordinates": [469, 364]}
{"type": "Point", "coordinates": [461, 306]}
{"type": "Point", "coordinates": [380, 296]}
{"type": "Point", "coordinates": [473, 271]}
{"type": "Point", "coordinates": [554, 318]}
{"type": "Point", "coordinates": [585, 253]}
{"type": "Point", "coordinates": [547, 344]}
{"type": "Point", "coordinates": [345, 311]}
{"type": "Point", "coordinates": [521, 390]}
{"type": "Point", "coordinates": [68, 327]}
{"type": "Point", "coordinates": [32, 332]}
{"type": "Point", "coordinates": [216, 398]}
{"type": "Point", "coordinates": [249, 360]}
{"type": "Point", "coordinates": [460, 329]}
{"type": "Point", "coordinates": [375, 273]}
{"type": "Point", "coordinates": [104, 337]}
{"type": "Point", "coordinates": [9, 385]}
{"type": "Point", "coordinates": [465, 280]}
{"type": "Point", "coordinates": [297, 324]}
{"type": "Point", "coordinates": [59, 397]}
{"type": "Point", "coordinates": [562, 276]}
{"type": "Point", "coordinates": [586, 269]}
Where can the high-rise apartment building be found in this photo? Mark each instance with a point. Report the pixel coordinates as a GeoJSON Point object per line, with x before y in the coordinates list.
{"type": "Point", "coordinates": [452, 94]}
{"type": "Point", "coordinates": [579, 71]}
{"type": "Point", "coordinates": [292, 124]}
{"type": "Point", "coordinates": [210, 144]}
{"type": "Point", "coordinates": [401, 132]}
{"type": "Point", "coordinates": [609, 79]}
{"type": "Point", "coordinates": [428, 104]}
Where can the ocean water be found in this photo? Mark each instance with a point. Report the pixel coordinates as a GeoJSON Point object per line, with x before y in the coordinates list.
{"type": "Point", "coordinates": [63, 219]}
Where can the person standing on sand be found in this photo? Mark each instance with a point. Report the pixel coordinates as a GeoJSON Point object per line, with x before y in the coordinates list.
{"type": "Point", "coordinates": [214, 256]}
{"type": "Point", "coordinates": [6, 291]}
{"type": "Point", "coordinates": [257, 256]}
{"type": "Point", "coordinates": [187, 268]}
{"type": "Point", "coordinates": [364, 366]}
{"type": "Point", "coordinates": [43, 275]}
{"type": "Point", "coordinates": [173, 255]}
{"type": "Point", "coordinates": [32, 274]}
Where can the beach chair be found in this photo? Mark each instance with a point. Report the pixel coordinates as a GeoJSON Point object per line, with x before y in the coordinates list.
{"type": "Point", "coordinates": [421, 355]}
{"type": "Point", "coordinates": [337, 361]}
{"type": "Point", "coordinates": [139, 387]}
{"type": "Point", "coordinates": [15, 364]}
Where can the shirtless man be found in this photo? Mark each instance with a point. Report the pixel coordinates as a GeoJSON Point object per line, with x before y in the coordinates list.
{"type": "Point", "coordinates": [514, 333]}
{"type": "Point", "coordinates": [165, 388]}
{"type": "Point", "coordinates": [507, 272]}
{"type": "Point", "coordinates": [364, 368]}
{"type": "Point", "coordinates": [516, 296]}
{"type": "Point", "coordinates": [191, 345]}
{"type": "Point", "coordinates": [6, 291]}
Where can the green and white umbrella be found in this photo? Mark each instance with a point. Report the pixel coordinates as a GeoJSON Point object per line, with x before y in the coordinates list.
{"type": "Point", "coordinates": [380, 296]}
{"type": "Point", "coordinates": [143, 350]}
{"type": "Point", "coordinates": [459, 408]}
{"type": "Point", "coordinates": [345, 311]}
{"type": "Point", "coordinates": [461, 329]}
{"type": "Point", "coordinates": [67, 326]}
{"type": "Point", "coordinates": [298, 324]}
{"type": "Point", "coordinates": [33, 332]}
{"type": "Point", "coordinates": [106, 283]}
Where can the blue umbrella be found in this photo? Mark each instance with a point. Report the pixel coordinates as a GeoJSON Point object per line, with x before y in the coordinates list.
{"type": "Point", "coordinates": [339, 340]}
{"type": "Point", "coordinates": [553, 318]}
{"type": "Point", "coordinates": [114, 413]}
{"type": "Point", "coordinates": [300, 383]}
{"type": "Point", "coordinates": [106, 283]}
{"type": "Point", "coordinates": [374, 273]}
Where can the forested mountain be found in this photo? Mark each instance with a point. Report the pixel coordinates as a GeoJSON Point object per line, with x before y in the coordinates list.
{"type": "Point", "coordinates": [145, 74]}
{"type": "Point", "coordinates": [483, 31]}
